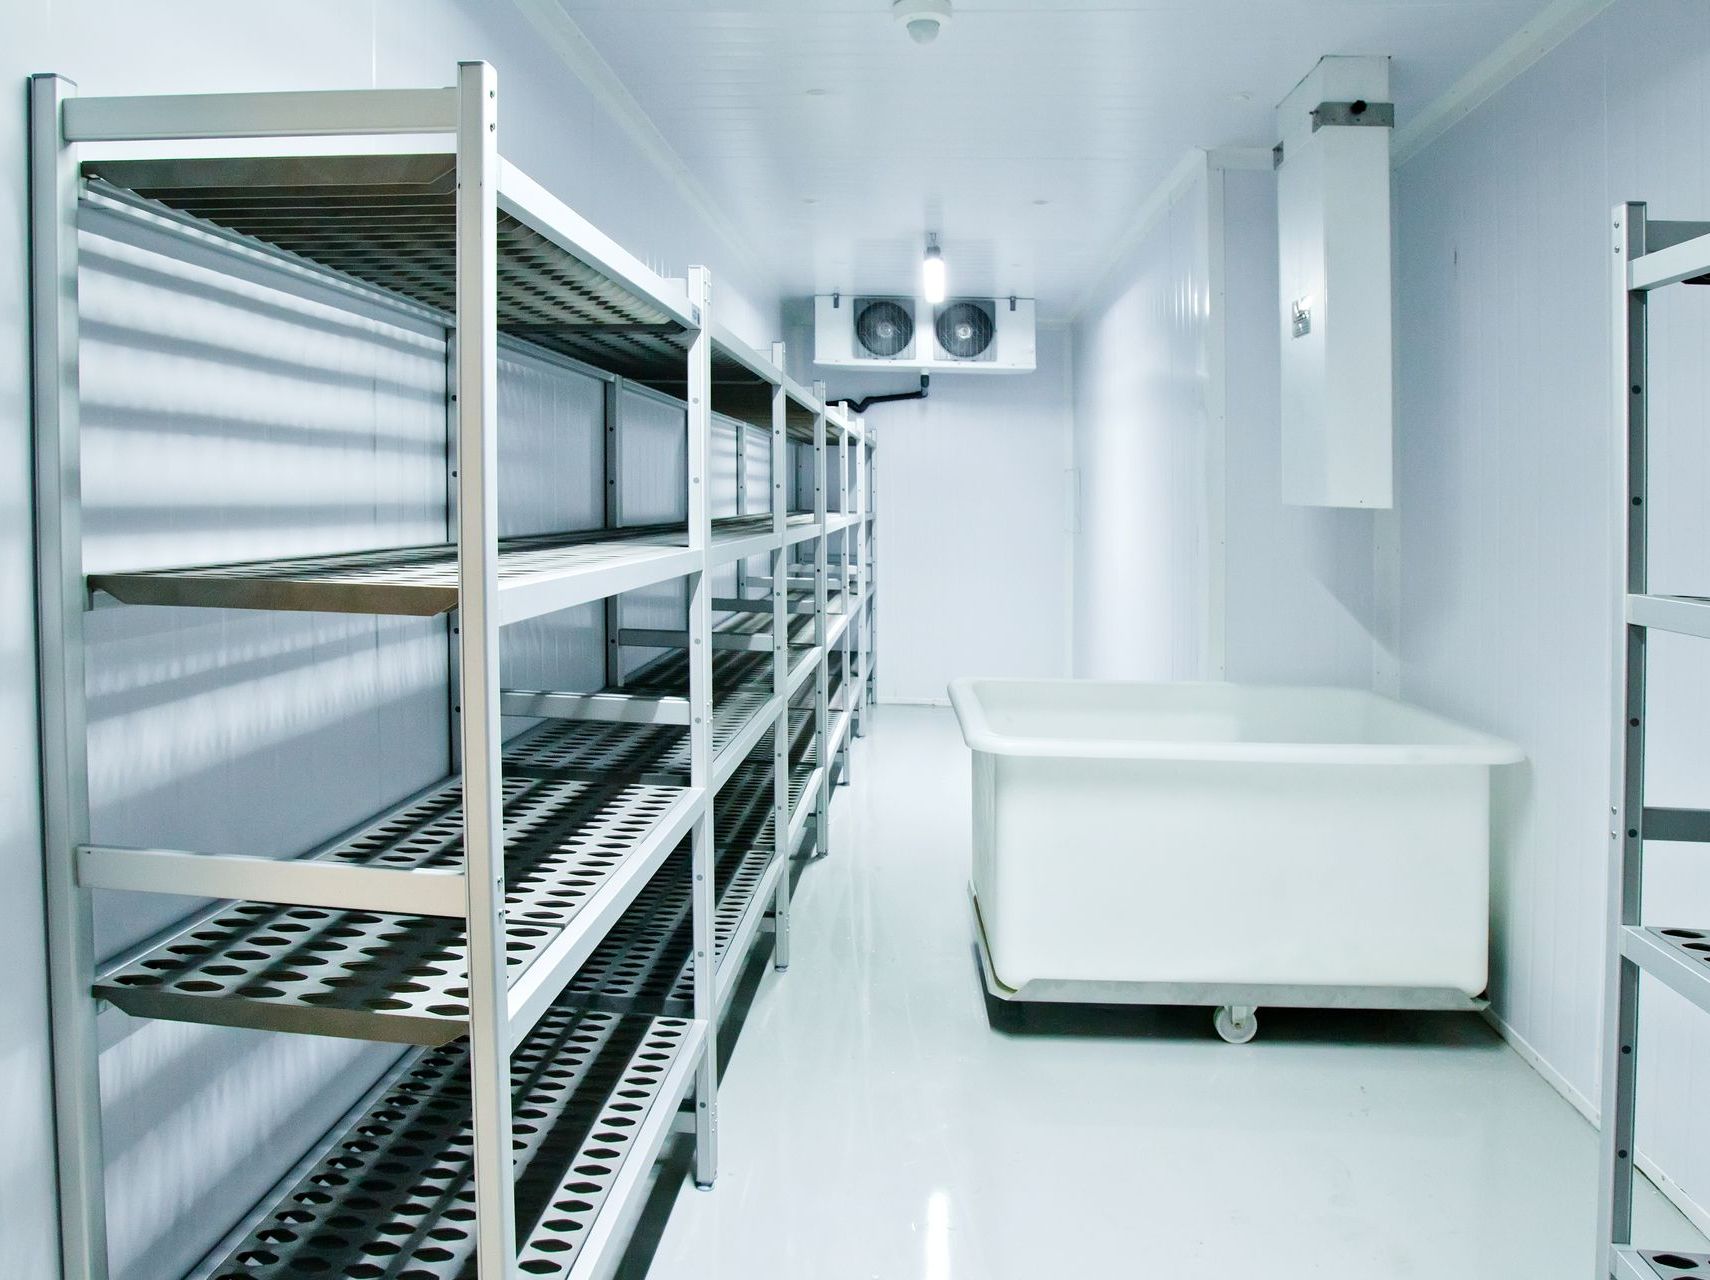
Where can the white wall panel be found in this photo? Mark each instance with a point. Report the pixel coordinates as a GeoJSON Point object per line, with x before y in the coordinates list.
{"type": "Point", "coordinates": [1142, 362]}
{"type": "Point", "coordinates": [1505, 449]}
{"type": "Point", "coordinates": [972, 539]}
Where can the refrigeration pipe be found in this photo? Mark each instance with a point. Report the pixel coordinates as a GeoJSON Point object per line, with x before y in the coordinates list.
{"type": "Point", "coordinates": [861, 406]}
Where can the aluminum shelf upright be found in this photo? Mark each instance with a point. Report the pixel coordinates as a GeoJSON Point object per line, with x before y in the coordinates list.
{"type": "Point", "coordinates": [1648, 254]}
{"type": "Point", "coordinates": [504, 913]}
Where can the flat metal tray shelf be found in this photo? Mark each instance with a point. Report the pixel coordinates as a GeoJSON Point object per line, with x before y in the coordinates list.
{"type": "Point", "coordinates": [391, 1192]}
{"type": "Point", "coordinates": [578, 835]}
{"type": "Point", "coordinates": [390, 221]}
{"type": "Point", "coordinates": [536, 575]}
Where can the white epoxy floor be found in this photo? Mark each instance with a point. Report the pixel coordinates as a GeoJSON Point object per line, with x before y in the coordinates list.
{"type": "Point", "coordinates": [874, 1125]}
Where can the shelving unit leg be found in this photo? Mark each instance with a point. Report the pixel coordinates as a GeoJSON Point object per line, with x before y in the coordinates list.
{"type": "Point", "coordinates": [700, 726]}
{"type": "Point", "coordinates": [478, 668]}
{"type": "Point", "coordinates": [858, 621]}
{"type": "Point", "coordinates": [612, 461]}
{"type": "Point", "coordinates": [779, 568]}
{"type": "Point", "coordinates": [1627, 805]}
{"type": "Point", "coordinates": [59, 630]}
{"type": "Point", "coordinates": [846, 643]}
{"type": "Point", "coordinates": [822, 677]}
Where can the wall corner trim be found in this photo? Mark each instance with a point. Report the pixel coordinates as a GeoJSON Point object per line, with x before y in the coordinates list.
{"type": "Point", "coordinates": [1510, 59]}
{"type": "Point", "coordinates": [573, 48]}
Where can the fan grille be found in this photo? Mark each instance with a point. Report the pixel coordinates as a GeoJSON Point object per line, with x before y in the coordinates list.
{"type": "Point", "coordinates": [965, 330]}
{"type": "Point", "coordinates": [883, 327]}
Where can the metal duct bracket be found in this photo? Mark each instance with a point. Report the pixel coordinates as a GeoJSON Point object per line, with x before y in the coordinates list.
{"type": "Point", "coordinates": [1358, 113]}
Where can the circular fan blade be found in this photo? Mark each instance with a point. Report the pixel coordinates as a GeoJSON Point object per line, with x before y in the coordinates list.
{"type": "Point", "coordinates": [964, 330]}
{"type": "Point", "coordinates": [884, 328]}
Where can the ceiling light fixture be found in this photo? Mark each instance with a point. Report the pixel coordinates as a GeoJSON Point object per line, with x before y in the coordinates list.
{"type": "Point", "coordinates": [923, 18]}
{"type": "Point", "coordinates": [934, 276]}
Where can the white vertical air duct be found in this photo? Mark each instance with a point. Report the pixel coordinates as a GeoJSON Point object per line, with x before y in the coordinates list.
{"type": "Point", "coordinates": [1334, 257]}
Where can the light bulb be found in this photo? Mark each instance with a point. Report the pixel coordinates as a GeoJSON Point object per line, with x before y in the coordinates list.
{"type": "Point", "coordinates": [934, 278]}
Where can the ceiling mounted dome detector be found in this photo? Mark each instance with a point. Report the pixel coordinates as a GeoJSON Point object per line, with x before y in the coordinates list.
{"type": "Point", "coordinates": [923, 18]}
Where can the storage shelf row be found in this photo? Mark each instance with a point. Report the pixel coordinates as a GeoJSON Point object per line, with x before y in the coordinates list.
{"type": "Point", "coordinates": [1648, 254]}
{"type": "Point", "coordinates": [555, 928]}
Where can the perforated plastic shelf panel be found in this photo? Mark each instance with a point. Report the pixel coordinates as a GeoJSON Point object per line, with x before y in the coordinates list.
{"type": "Point", "coordinates": [401, 978]}
{"type": "Point", "coordinates": [393, 1197]}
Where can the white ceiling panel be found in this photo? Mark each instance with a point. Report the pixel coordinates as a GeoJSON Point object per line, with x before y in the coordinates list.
{"type": "Point", "coordinates": [1027, 134]}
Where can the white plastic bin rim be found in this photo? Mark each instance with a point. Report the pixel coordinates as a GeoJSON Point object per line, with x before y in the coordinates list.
{"type": "Point", "coordinates": [1123, 720]}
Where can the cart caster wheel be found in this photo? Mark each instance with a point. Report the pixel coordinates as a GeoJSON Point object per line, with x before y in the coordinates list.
{"type": "Point", "coordinates": [1236, 1023]}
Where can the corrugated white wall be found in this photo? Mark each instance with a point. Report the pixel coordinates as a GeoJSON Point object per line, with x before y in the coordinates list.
{"type": "Point", "coordinates": [233, 420]}
{"type": "Point", "coordinates": [1505, 446]}
{"type": "Point", "coordinates": [1142, 593]}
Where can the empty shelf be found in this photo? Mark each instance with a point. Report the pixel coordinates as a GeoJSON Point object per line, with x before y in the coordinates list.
{"type": "Point", "coordinates": [1685, 615]}
{"type": "Point", "coordinates": [579, 845]}
{"type": "Point", "coordinates": [1679, 957]}
{"type": "Point", "coordinates": [1687, 261]}
{"type": "Point", "coordinates": [805, 665]}
{"type": "Point", "coordinates": [645, 962]}
{"type": "Point", "coordinates": [391, 1192]}
{"type": "Point", "coordinates": [743, 704]}
{"type": "Point", "coordinates": [390, 222]}
{"type": "Point", "coordinates": [536, 576]}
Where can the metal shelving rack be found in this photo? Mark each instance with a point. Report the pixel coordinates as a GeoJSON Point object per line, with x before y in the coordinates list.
{"type": "Point", "coordinates": [1649, 254]}
{"type": "Point", "coordinates": [556, 927]}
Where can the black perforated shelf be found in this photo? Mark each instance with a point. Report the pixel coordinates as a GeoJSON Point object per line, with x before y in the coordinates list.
{"type": "Point", "coordinates": [391, 222]}
{"type": "Point", "coordinates": [572, 833]}
{"type": "Point", "coordinates": [1667, 1265]}
{"type": "Point", "coordinates": [391, 1195]}
{"type": "Point", "coordinates": [742, 691]}
{"type": "Point", "coordinates": [645, 963]}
